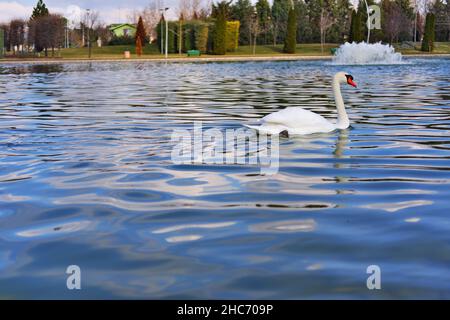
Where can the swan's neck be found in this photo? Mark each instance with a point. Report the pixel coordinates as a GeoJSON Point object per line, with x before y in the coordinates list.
{"type": "Point", "coordinates": [342, 120]}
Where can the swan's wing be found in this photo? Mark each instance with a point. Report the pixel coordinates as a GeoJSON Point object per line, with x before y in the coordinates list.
{"type": "Point", "coordinates": [294, 117]}
{"type": "Point", "coordinates": [268, 128]}
{"type": "Point", "coordinates": [294, 120]}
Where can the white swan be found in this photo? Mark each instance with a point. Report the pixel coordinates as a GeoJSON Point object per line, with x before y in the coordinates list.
{"type": "Point", "coordinates": [298, 121]}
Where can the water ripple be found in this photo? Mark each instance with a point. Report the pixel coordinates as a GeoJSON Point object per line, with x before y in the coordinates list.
{"type": "Point", "coordinates": [86, 178]}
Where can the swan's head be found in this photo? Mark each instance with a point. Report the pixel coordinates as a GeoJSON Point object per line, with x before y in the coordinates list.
{"type": "Point", "coordinates": [344, 77]}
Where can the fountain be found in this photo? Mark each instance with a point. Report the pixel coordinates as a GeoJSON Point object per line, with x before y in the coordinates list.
{"type": "Point", "coordinates": [367, 53]}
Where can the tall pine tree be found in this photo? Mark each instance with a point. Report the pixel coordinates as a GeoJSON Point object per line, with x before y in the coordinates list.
{"type": "Point", "coordinates": [40, 10]}
{"type": "Point", "coordinates": [280, 13]}
{"type": "Point", "coordinates": [140, 36]}
{"type": "Point", "coordinates": [355, 27]}
{"type": "Point", "coordinates": [263, 12]}
{"type": "Point", "coordinates": [242, 11]}
{"type": "Point", "coordinates": [221, 11]}
{"type": "Point", "coordinates": [429, 34]}
{"type": "Point", "coordinates": [291, 37]}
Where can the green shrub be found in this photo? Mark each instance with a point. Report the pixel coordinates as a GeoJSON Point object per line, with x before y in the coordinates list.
{"type": "Point", "coordinates": [201, 37]}
{"type": "Point", "coordinates": [121, 41]}
{"type": "Point", "coordinates": [232, 35]}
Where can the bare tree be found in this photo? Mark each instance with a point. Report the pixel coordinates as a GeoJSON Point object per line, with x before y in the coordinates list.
{"type": "Point", "coordinates": [255, 30]}
{"type": "Point", "coordinates": [55, 33]}
{"type": "Point", "coordinates": [17, 34]}
{"type": "Point", "coordinates": [326, 20]}
{"type": "Point", "coordinates": [90, 19]}
{"type": "Point", "coordinates": [47, 32]}
{"type": "Point", "coordinates": [205, 10]}
{"type": "Point", "coordinates": [395, 21]}
{"type": "Point", "coordinates": [196, 7]}
{"type": "Point", "coordinates": [102, 32]}
{"type": "Point", "coordinates": [185, 9]}
{"type": "Point", "coordinates": [150, 16]}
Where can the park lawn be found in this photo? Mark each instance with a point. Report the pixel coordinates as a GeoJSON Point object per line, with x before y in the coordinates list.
{"type": "Point", "coordinates": [151, 51]}
{"type": "Point", "coordinates": [108, 52]}
{"type": "Point", "coordinates": [305, 49]}
{"type": "Point", "coordinates": [439, 48]}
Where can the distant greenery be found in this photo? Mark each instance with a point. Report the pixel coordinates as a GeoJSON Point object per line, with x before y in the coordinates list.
{"type": "Point", "coordinates": [152, 51]}
{"type": "Point", "coordinates": [123, 40]}
{"type": "Point", "coordinates": [429, 33]}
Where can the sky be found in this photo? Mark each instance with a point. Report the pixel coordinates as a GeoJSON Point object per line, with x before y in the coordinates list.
{"type": "Point", "coordinates": [111, 11]}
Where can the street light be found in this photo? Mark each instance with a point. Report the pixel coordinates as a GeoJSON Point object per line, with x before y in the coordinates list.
{"type": "Point", "coordinates": [167, 33]}
{"type": "Point", "coordinates": [88, 11]}
{"type": "Point", "coordinates": [162, 32]}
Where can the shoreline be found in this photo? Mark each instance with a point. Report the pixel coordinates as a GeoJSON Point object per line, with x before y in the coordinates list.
{"type": "Point", "coordinates": [195, 60]}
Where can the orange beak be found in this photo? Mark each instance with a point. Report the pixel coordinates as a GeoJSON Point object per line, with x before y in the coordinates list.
{"type": "Point", "coordinates": [351, 82]}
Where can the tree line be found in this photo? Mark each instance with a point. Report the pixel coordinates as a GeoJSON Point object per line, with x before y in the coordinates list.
{"type": "Point", "coordinates": [285, 22]}
{"type": "Point", "coordinates": [290, 22]}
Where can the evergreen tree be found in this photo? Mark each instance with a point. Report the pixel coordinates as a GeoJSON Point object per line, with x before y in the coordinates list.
{"type": "Point", "coordinates": [242, 11]}
{"type": "Point", "coordinates": [140, 36]}
{"type": "Point", "coordinates": [40, 10]}
{"type": "Point", "coordinates": [291, 36]}
{"type": "Point", "coordinates": [38, 28]}
{"type": "Point", "coordinates": [161, 33]}
{"type": "Point", "coordinates": [220, 11]}
{"type": "Point", "coordinates": [314, 12]}
{"type": "Point", "coordinates": [340, 29]}
{"type": "Point", "coordinates": [441, 10]}
{"type": "Point", "coordinates": [355, 27]}
{"type": "Point", "coordinates": [263, 12]}
{"type": "Point", "coordinates": [280, 12]}
{"type": "Point", "coordinates": [362, 13]}
{"type": "Point", "coordinates": [303, 26]}
{"type": "Point", "coordinates": [429, 34]}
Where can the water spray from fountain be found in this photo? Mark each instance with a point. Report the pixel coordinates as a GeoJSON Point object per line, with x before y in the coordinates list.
{"type": "Point", "coordinates": [364, 53]}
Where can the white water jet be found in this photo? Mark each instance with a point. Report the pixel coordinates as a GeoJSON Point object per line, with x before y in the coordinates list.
{"type": "Point", "coordinates": [363, 53]}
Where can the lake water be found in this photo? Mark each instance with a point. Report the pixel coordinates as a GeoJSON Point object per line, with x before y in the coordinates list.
{"type": "Point", "coordinates": [86, 178]}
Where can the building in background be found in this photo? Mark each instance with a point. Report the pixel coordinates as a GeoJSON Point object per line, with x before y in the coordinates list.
{"type": "Point", "coordinates": [123, 30]}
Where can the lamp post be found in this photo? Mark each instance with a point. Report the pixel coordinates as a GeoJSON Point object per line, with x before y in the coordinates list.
{"type": "Point", "coordinates": [88, 12]}
{"type": "Point", "coordinates": [166, 32]}
{"type": "Point", "coordinates": [368, 22]}
{"type": "Point", "coordinates": [162, 31]}
{"type": "Point", "coordinates": [167, 35]}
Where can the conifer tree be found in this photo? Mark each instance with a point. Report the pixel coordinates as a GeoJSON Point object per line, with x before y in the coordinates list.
{"type": "Point", "coordinates": [291, 36]}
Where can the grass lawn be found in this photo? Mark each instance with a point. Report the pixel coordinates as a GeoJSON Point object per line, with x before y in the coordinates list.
{"type": "Point", "coordinates": [439, 48]}
{"type": "Point", "coordinates": [152, 51]}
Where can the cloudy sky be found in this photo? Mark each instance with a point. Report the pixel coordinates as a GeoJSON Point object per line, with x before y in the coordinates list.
{"type": "Point", "coordinates": [110, 10]}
